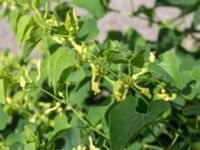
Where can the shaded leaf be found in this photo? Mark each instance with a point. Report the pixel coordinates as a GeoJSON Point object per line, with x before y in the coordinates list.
{"type": "Point", "coordinates": [125, 122]}
{"type": "Point", "coordinates": [192, 110]}
{"type": "Point", "coordinates": [196, 19]}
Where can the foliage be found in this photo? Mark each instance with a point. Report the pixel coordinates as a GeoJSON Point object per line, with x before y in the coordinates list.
{"type": "Point", "coordinates": [125, 93]}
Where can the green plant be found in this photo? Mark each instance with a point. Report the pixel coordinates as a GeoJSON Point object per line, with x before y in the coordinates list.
{"type": "Point", "coordinates": [81, 94]}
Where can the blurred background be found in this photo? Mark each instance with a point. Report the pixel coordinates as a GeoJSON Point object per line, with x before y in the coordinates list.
{"type": "Point", "coordinates": [149, 19]}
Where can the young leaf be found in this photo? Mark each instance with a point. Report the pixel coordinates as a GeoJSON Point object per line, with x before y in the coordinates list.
{"type": "Point", "coordinates": [76, 76]}
{"type": "Point", "coordinates": [13, 18]}
{"type": "Point", "coordinates": [95, 7]}
{"type": "Point", "coordinates": [61, 124]}
{"type": "Point", "coordinates": [61, 59]}
{"type": "Point", "coordinates": [22, 27]}
{"type": "Point", "coordinates": [14, 138]}
{"type": "Point", "coordinates": [169, 68]}
{"type": "Point", "coordinates": [88, 30]}
{"type": "Point", "coordinates": [30, 146]}
{"type": "Point", "coordinates": [4, 118]}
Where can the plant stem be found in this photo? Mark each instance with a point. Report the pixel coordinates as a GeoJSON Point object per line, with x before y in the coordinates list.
{"type": "Point", "coordinates": [87, 123]}
{"type": "Point", "coordinates": [77, 114]}
{"type": "Point", "coordinates": [48, 93]}
{"type": "Point", "coordinates": [175, 130]}
{"type": "Point", "coordinates": [157, 139]}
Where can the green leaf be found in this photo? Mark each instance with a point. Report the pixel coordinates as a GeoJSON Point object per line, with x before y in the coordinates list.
{"type": "Point", "coordinates": [169, 69]}
{"type": "Point", "coordinates": [138, 58]}
{"type": "Point", "coordinates": [28, 47]}
{"type": "Point", "coordinates": [13, 18]}
{"type": "Point", "coordinates": [60, 60]}
{"type": "Point", "coordinates": [192, 110]}
{"type": "Point", "coordinates": [125, 122]}
{"type": "Point", "coordinates": [95, 7]}
{"type": "Point", "coordinates": [36, 35]}
{"type": "Point", "coordinates": [61, 125]}
{"type": "Point", "coordinates": [29, 133]}
{"type": "Point", "coordinates": [192, 89]}
{"type": "Point", "coordinates": [96, 113]}
{"type": "Point", "coordinates": [14, 138]}
{"type": "Point", "coordinates": [116, 57]}
{"type": "Point", "coordinates": [4, 118]}
{"type": "Point", "coordinates": [196, 19]}
{"type": "Point", "coordinates": [76, 76]}
{"type": "Point", "coordinates": [88, 30]}
{"type": "Point", "coordinates": [61, 122]}
{"type": "Point", "coordinates": [30, 146]}
{"type": "Point", "coordinates": [22, 27]}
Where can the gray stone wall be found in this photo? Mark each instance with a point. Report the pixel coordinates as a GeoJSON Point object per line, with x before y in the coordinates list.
{"type": "Point", "coordinates": [112, 21]}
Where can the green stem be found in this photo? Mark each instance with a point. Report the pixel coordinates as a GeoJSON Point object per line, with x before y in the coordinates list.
{"type": "Point", "coordinates": [157, 139]}
{"type": "Point", "coordinates": [173, 142]}
{"type": "Point", "coordinates": [77, 114]}
{"type": "Point", "coordinates": [176, 131]}
{"type": "Point", "coordinates": [48, 93]}
{"type": "Point", "coordinates": [87, 123]}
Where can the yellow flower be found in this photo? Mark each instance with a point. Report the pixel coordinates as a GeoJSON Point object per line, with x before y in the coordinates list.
{"type": "Point", "coordinates": [38, 65]}
{"type": "Point", "coordinates": [152, 57]}
{"type": "Point", "coordinates": [52, 22]}
{"type": "Point", "coordinates": [95, 79]}
{"type": "Point", "coordinates": [143, 71]}
{"type": "Point", "coordinates": [144, 91]}
{"type": "Point", "coordinates": [22, 82]}
{"type": "Point", "coordinates": [165, 96]}
{"type": "Point", "coordinates": [92, 147]}
{"type": "Point", "coordinates": [58, 39]}
{"type": "Point", "coordinates": [95, 88]}
{"type": "Point", "coordinates": [118, 96]}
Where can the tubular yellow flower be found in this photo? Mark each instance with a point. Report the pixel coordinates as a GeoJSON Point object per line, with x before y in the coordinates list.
{"type": "Point", "coordinates": [163, 96]}
{"type": "Point", "coordinates": [95, 88]}
{"type": "Point", "coordinates": [92, 147]}
{"type": "Point", "coordinates": [152, 57]}
{"type": "Point", "coordinates": [166, 97]}
{"type": "Point", "coordinates": [27, 75]}
{"type": "Point", "coordinates": [144, 91]}
{"type": "Point", "coordinates": [143, 71]}
{"type": "Point", "coordinates": [58, 39]}
{"type": "Point", "coordinates": [118, 96]}
{"type": "Point", "coordinates": [52, 22]}
{"type": "Point", "coordinates": [22, 82]}
{"type": "Point", "coordinates": [95, 79]}
{"type": "Point", "coordinates": [38, 65]}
